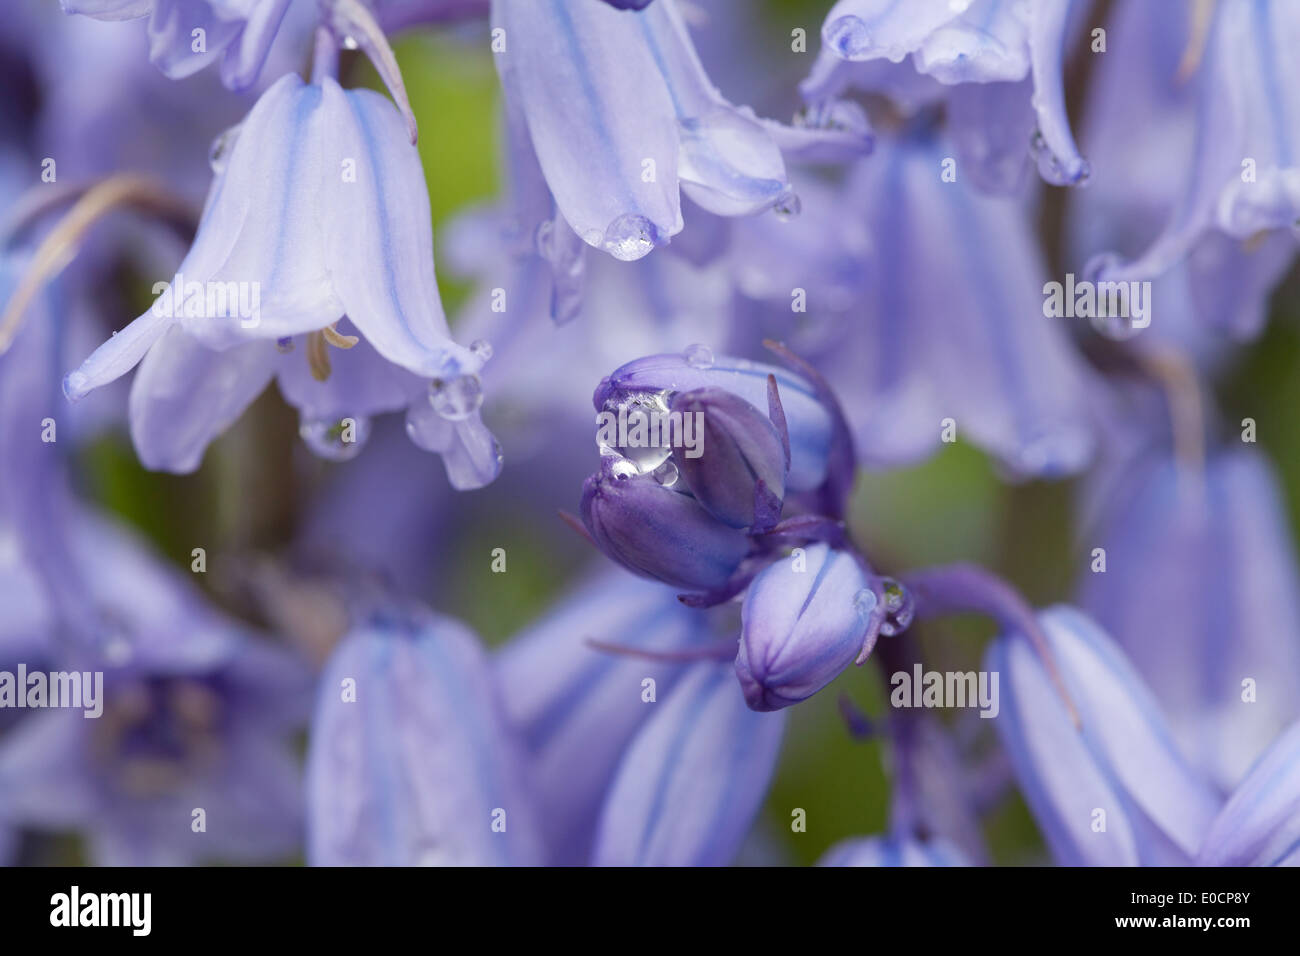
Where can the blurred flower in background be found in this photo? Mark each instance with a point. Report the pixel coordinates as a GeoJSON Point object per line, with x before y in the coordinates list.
{"type": "Point", "coordinates": [920, 569]}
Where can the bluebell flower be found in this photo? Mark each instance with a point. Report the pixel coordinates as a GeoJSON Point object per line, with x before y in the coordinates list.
{"type": "Point", "coordinates": [1115, 789]}
{"type": "Point", "coordinates": [1243, 184]}
{"type": "Point", "coordinates": [1202, 590]}
{"type": "Point", "coordinates": [411, 761]}
{"type": "Point", "coordinates": [929, 310]}
{"type": "Point", "coordinates": [805, 619]}
{"type": "Point", "coordinates": [187, 35]}
{"type": "Point", "coordinates": [997, 64]}
{"type": "Point", "coordinates": [577, 706]}
{"type": "Point", "coordinates": [318, 214]}
{"type": "Point", "coordinates": [1260, 823]}
{"type": "Point", "coordinates": [623, 119]}
{"type": "Point", "coordinates": [691, 782]}
{"type": "Point", "coordinates": [196, 715]}
{"type": "Point", "coordinates": [892, 851]}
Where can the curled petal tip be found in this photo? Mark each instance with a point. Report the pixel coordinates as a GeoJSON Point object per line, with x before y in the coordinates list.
{"type": "Point", "coordinates": [352, 21]}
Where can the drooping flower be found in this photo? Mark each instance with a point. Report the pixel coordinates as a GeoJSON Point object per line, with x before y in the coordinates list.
{"type": "Point", "coordinates": [187, 35]}
{"type": "Point", "coordinates": [578, 706]}
{"type": "Point", "coordinates": [998, 66]}
{"type": "Point", "coordinates": [411, 761]}
{"type": "Point", "coordinates": [1260, 823]}
{"type": "Point", "coordinates": [691, 782]}
{"type": "Point", "coordinates": [622, 119]}
{"type": "Point", "coordinates": [1243, 185]}
{"type": "Point", "coordinates": [318, 214]}
{"type": "Point", "coordinates": [1114, 789]}
{"type": "Point", "coordinates": [1201, 587]}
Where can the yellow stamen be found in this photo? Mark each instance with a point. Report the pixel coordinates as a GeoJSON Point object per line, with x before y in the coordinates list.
{"type": "Point", "coordinates": [337, 339]}
{"type": "Point", "coordinates": [318, 356]}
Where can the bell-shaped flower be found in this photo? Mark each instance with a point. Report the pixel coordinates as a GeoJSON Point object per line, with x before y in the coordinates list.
{"type": "Point", "coordinates": [1140, 134]}
{"type": "Point", "coordinates": [1260, 823]}
{"type": "Point", "coordinates": [189, 758]}
{"type": "Point", "coordinates": [410, 759]}
{"type": "Point", "coordinates": [187, 35]}
{"type": "Point", "coordinates": [804, 620]}
{"type": "Point", "coordinates": [999, 66]}
{"type": "Point", "coordinates": [1244, 179]}
{"type": "Point", "coordinates": [318, 213]}
{"type": "Point", "coordinates": [692, 781]}
{"type": "Point", "coordinates": [947, 338]}
{"type": "Point", "coordinates": [1112, 789]}
{"type": "Point", "coordinates": [1197, 580]}
{"type": "Point", "coordinates": [578, 706]}
{"type": "Point", "coordinates": [623, 119]}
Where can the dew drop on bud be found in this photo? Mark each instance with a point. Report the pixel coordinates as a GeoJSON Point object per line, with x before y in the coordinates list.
{"type": "Point", "coordinates": [698, 356]}
{"type": "Point", "coordinates": [864, 602]}
{"type": "Point", "coordinates": [666, 474]}
{"type": "Point", "coordinates": [456, 399]}
{"type": "Point", "coordinates": [899, 607]}
{"type": "Point", "coordinates": [623, 468]}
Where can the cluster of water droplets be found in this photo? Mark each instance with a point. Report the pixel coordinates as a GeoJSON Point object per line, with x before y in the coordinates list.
{"type": "Point", "coordinates": [899, 607]}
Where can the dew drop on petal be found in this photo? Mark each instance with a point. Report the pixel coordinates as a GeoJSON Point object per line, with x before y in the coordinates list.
{"type": "Point", "coordinates": [788, 206]}
{"type": "Point", "coordinates": [456, 399]}
{"type": "Point", "coordinates": [482, 348]}
{"type": "Point", "coordinates": [630, 237]}
{"type": "Point", "coordinates": [222, 145]}
{"type": "Point", "coordinates": [864, 602]}
{"type": "Point", "coordinates": [849, 36]}
{"type": "Point", "coordinates": [335, 439]}
{"type": "Point", "coordinates": [698, 356]}
{"type": "Point", "coordinates": [666, 474]}
{"type": "Point", "coordinates": [349, 43]}
{"type": "Point", "coordinates": [624, 469]}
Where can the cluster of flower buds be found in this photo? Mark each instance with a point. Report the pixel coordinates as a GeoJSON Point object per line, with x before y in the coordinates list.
{"type": "Point", "coordinates": [711, 468]}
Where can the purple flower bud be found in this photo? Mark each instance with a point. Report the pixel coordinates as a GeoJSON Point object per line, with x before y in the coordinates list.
{"type": "Point", "coordinates": [657, 532]}
{"type": "Point", "coordinates": [736, 468]}
{"type": "Point", "coordinates": [804, 620]}
{"type": "Point", "coordinates": [691, 783]}
{"type": "Point", "coordinates": [808, 420]}
{"type": "Point", "coordinates": [1260, 824]}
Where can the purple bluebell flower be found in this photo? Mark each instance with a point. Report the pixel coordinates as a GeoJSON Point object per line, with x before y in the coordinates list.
{"type": "Point", "coordinates": [933, 328]}
{"type": "Point", "coordinates": [196, 715]}
{"type": "Point", "coordinates": [187, 35]}
{"type": "Point", "coordinates": [691, 782]}
{"type": "Point", "coordinates": [1260, 823]}
{"type": "Point", "coordinates": [411, 761]}
{"type": "Point", "coordinates": [577, 706]}
{"type": "Point", "coordinates": [805, 619]}
{"type": "Point", "coordinates": [318, 213]}
{"type": "Point", "coordinates": [1113, 789]}
{"type": "Point", "coordinates": [1243, 184]}
{"type": "Point", "coordinates": [998, 65]}
{"type": "Point", "coordinates": [891, 851]}
{"type": "Point", "coordinates": [1202, 590]}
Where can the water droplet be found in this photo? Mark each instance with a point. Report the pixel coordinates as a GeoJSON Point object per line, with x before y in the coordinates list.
{"type": "Point", "coordinates": [788, 206]}
{"type": "Point", "coordinates": [849, 35]}
{"type": "Point", "coordinates": [629, 237]}
{"type": "Point", "coordinates": [698, 356]}
{"type": "Point", "coordinates": [864, 602]}
{"type": "Point", "coordinates": [624, 469]}
{"type": "Point", "coordinates": [899, 607]}
{"type": "Point", "coordinates": [482, 348]}
{"type": "Point", "coordinates": [335, 439]}
{"type": "Point", "coordinates": [284, 345]}
{"type": "Point", "coordinates": [1050, 167]}
{"type": "Point", "coordinates": [349, 43]}
{"type": "Point", "coordinates": [456, 399]}
{"type": "Point", "coordinates": [666, 474]}
{"type": "Point", "coordinates": [222, 146]}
